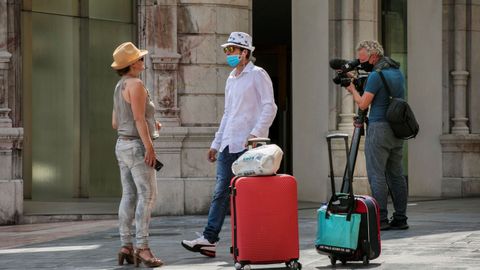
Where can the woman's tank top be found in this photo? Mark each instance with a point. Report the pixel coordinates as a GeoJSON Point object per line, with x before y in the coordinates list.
{"type": "Point", "coordinates": [124, 114]}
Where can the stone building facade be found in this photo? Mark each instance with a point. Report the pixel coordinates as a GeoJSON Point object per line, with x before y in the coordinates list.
{"type": "Point", "coordinates": [434, 40]}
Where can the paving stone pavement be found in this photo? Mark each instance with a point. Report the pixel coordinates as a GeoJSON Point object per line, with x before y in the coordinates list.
{"type": "Point", "coordinates": [443, 234]}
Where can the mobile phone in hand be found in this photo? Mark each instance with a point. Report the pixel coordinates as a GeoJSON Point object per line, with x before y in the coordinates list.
{"type": "Point", "coordinates": [158, 165]}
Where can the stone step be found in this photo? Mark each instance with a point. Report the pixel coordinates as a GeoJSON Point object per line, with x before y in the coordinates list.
{"type": "Point", "coordinates": [36, 219]}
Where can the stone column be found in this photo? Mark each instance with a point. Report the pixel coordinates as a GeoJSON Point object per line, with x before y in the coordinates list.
{"type": "Point", "coordinates": [461, 149]}
{"type": "Point", "coordinates": [460, 74]}
{"type": "Point", "coordinates": [348, 50]}
{"type": "Point", "coordinates": [157, 32]}
{"type": "Point", "coordinates": [308, 77]}
{"type": "Point", "coordinates": [11, 189]}
{"type": "Point", "coordinates": [425, 54]}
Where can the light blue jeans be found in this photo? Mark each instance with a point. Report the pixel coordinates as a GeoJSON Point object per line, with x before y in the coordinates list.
{"type": "Point", "coordinates": [139, 192]}
{"type": "Point", "coordinates": [383, 153]}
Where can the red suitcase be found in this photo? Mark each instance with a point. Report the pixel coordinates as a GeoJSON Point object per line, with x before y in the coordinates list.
{"type": "Point", "coordinates": [264, 220]}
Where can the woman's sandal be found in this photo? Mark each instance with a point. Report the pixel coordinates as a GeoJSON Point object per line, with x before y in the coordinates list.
{"type": "Point", "coordinates": [126, 254]}
{"type": "Point", "coordinates": [150, 262]}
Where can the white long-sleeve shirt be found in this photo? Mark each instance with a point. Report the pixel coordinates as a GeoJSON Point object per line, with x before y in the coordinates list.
{"type": "Point", "coordinates": [249, 109]}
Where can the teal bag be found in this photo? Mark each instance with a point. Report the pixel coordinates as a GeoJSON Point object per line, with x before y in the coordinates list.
{"type": "Point", "coordinates": [335, 233]}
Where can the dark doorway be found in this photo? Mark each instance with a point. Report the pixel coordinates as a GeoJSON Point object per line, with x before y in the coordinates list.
{"type": "Point", "coordinates": [272, 38]}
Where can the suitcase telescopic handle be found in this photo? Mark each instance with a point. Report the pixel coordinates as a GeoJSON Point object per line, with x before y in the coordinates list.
{"type": "Point", "coordinates": [254, 141]}
{"type": "Point", "coordinates": [334, 198]}
{"type": "Point", "coordinates": [330, 137]}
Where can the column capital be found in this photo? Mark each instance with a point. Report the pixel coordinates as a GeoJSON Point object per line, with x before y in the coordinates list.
{"type": "Point", "coordinates": [11, 138]}
{"type": "Point", "coordinates": [5, 58]}
{"type": "Point", "coordinates": [165, 60]}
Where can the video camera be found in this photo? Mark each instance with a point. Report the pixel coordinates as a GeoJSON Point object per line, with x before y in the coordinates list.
{"type": "Point", "coordinates": [342, 67]}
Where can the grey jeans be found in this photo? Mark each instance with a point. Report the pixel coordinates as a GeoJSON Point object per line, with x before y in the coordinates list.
{"type": "Point", "coordinates": [383, 153]}
{"type": "Point", "coordinates": [139, 192]}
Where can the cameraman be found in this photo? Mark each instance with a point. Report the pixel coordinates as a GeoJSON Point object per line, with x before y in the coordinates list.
{"type": "Point", "coordinates": [383, 151]}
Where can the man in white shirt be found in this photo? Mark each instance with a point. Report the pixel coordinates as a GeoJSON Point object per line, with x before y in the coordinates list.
{"type": "Point", "coordinates": [249, 112]}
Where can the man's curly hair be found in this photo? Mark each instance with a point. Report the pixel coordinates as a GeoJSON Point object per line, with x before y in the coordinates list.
{"type": "Point", "coordinates": [371, 46]}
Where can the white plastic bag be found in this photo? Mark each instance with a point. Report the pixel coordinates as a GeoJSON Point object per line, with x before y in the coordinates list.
{"type": "Point", "coordinates": [263, 160]}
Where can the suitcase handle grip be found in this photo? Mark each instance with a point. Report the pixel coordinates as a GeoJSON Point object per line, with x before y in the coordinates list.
{"type": "Point", "coordinates": [258, 140]}
{"type": "Point", "coordinates": [337, 136]}
{"type": "Point", "coordinates": [254, 141]}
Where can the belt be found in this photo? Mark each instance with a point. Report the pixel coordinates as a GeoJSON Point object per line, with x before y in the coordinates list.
{"type": "Point", "coordinates": [128, 138]}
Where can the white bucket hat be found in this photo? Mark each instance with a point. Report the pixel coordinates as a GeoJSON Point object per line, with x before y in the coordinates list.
{"type": "Point", "coordinates": [239, 39]}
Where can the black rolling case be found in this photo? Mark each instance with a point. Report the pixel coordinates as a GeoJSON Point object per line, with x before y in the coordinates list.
{"type": "Point", "coordinates": [368, 246]}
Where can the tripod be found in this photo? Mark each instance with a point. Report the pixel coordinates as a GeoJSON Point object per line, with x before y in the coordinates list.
{"type": "Point", "coordinates": [359, 122]}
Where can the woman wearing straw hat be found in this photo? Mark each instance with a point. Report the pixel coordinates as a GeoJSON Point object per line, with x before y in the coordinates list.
{"type": "Point", "coordinates": [133, 118]}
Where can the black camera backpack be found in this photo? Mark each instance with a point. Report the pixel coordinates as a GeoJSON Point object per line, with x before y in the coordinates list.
{"type": "Point", "coordinates": [400, 116]}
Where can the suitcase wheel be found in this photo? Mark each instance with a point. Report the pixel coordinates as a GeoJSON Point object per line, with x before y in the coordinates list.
{"type": "Point", "coordinates": [293, 265]}
{"type": "Point", "coordinates": [365, 260]}
{"type": "Point", "coordinates": [239, 266]}
{"type": "Point", "coordinates": [333, 260]}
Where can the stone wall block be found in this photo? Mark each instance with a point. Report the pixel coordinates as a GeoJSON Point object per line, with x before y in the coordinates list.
{"type": "Point", "coordinates": [232, 19]}
{"type": "Point", "coordinates": [452, 164]}
{"type": "Point", "coordinates": [198, 195]}
{"type": "Point", "coordinates": [196, 79]}
{"type": "Point", "coordinates": [196, 19]}
{"type": "Point", "coordinates": [195, 163]}
{"type": "Point", "coordinates": [471, 166]}
{"type": "Point", "coordinates": [197, 49]}
{"type": "Point", "coordinates": [471, 187]}
{"type": "Point", "coordinates": [452, 187]}
{"type": "Point", "coordinates": [198, 109]}
{"type": "Point", "coordinates": [11, 201]}
{"type": "Point", "coordinates": [170, 198]}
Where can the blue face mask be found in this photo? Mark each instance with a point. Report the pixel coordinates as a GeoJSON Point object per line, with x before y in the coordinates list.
{"type": "Point", "coordinates": [233, 60]}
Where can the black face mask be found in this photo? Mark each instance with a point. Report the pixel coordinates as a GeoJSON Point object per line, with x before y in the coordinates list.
{"type": "Point", "coordinates": [367, 66]}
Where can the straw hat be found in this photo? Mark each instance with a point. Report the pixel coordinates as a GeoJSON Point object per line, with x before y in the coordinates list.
{"type": "Point", "coordinates": [126, 54]}
{"type": "Point", "coordinates": [239, 39]}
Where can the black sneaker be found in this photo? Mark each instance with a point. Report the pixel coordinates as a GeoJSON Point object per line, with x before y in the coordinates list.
{"type": "Point", "coordinates": [397, 224]}
{"type": "Point", "coordinates": [384, 225]}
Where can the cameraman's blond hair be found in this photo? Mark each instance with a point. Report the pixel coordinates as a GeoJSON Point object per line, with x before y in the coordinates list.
{"type": "Point", "coordinates": [371, 46]}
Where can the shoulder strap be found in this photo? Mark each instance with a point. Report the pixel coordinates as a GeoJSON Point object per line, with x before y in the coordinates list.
{"type": "Point", "coordinates": [384, 82]}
